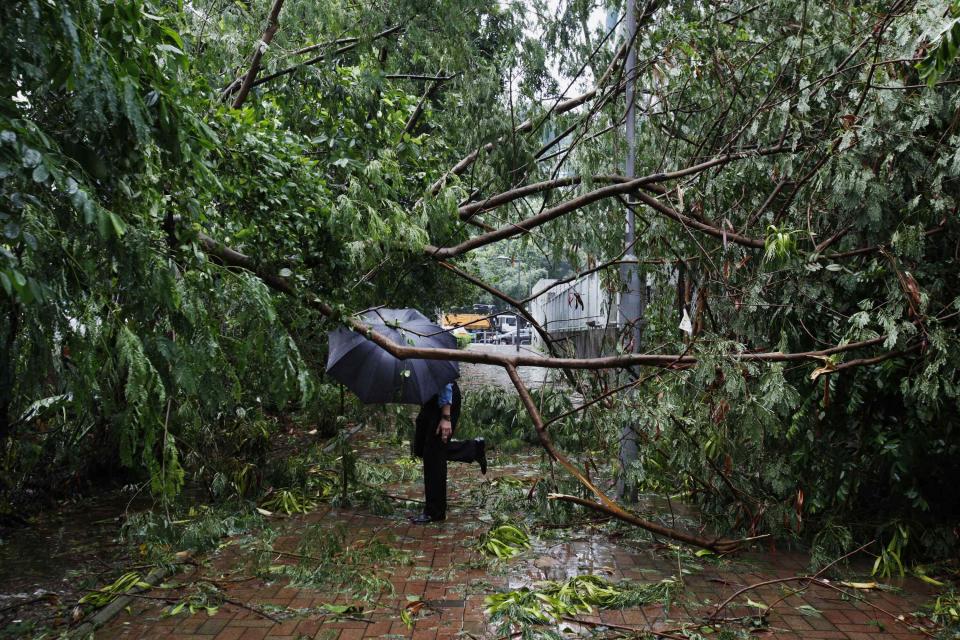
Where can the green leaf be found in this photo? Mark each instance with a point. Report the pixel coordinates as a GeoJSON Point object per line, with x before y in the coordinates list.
{"type": "Point", "coordinates": [808, 610]}
{"type": "Point", "coordinates": [31, 158]}
{"type": "Point", "coordinates": [40, 173]}
{"type": "Point", "coordinates": [119, 228]}
{"type": "Point", "coordinates": [336, 608]}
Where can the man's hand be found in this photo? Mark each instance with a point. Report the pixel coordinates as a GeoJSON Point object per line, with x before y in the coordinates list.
{"type": "Point", "coordinates": [444, 429]}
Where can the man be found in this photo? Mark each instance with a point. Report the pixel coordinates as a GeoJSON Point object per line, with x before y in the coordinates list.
{"type": "Point", "coordinates": [435, 425]}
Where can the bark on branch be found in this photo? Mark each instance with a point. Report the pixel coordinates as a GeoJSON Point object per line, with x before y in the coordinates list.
{"type": "Point", "coordinates": [273, 23]}
{"type": "Point", "coordinates": [233, 258]}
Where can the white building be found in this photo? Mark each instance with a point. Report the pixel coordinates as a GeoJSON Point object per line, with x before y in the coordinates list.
{"type": "Point", "coordinates": [579, 306]}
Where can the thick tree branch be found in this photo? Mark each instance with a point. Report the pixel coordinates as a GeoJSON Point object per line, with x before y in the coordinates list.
{"type": "Point", "coordinates": [492, 202]}
{"type": "Point", "coordinates": [273, 24]}
{"type": "Point", "coordinates": [233, 258]}
{"type": "Point", "coordinates": [510, 230]}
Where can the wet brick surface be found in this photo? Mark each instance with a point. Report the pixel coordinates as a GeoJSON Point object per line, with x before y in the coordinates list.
{"type": "Point", "coordinates": [444, 572]}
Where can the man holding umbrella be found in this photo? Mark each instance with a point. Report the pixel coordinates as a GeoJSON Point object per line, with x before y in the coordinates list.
{"type": "Point", "coordinates": [436, 423]}
{"type": "Point", "coordinates": [376, 376]}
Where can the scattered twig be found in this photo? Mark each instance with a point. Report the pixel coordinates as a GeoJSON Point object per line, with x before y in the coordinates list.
{"type": "Point", "coordinates": [820, 583]}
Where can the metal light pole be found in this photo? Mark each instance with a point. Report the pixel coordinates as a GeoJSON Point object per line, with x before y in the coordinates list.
{"type": "Point", "coordinates": [631, 302]}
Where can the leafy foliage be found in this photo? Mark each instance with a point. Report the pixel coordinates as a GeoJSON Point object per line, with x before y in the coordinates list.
{"type": "Point", "coordinates": [131, 351]}
{"type": "Point", "coordinates": [551, 601]}
{"type": "Point", "coordinates": [852, 230]}
{"type": "Point", "coordinates": [944, 49]}
{"type": "Point", "coordinates": [115, 154]}
{"type": "Point", "coordinates": [504, 542]}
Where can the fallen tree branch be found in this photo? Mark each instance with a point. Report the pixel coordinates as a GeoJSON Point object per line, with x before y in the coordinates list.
{"type": "Point", "coordinates": [606, 505]}
{"type": "Point", "coordinates": [435, 83]}
{"type": "Point", "coordinates": [234, 258]}
{"type": "Point", "coordinates": [510, 230]}
{"type": "Point", "coordinates": [693, 223]}
{"type": "Point", "coordinates": [877, 247]}
{"type": "Point", "coordinates": [819, 573]}
{"type": "Point", "coordinates": [353, 43]}
{"type": "Point", "coordinates": [471, 209]}
{"type": "Point", "coordinates": [273, 24]}
{"type": "Point", "coordinates": [821, 583]}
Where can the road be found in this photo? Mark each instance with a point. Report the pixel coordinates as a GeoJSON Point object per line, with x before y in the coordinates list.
{"type": "Point", "coordinates": [473, 376]}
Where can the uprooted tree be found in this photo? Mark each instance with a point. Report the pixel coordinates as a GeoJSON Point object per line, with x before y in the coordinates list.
{"type": "Point", "coordinates": [796, 195]}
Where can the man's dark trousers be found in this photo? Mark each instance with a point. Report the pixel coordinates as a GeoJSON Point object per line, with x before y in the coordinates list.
{"type": "Point", "coordinates": [429, 446]}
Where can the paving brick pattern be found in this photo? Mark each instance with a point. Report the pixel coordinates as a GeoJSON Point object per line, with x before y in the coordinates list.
{"type": "Point", "coordinates": [444, 572]}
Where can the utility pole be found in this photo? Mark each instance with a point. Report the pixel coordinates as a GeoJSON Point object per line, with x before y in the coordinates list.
{"type": "Point", "coordinates": [631, 301]}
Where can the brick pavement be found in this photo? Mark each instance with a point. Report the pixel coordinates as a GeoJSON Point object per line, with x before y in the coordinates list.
{"type": "Point", "coordinates": [445, 571]}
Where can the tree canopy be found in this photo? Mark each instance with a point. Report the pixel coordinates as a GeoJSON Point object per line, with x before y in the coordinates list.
{"type": "Point", "coordinates": [171, 170]}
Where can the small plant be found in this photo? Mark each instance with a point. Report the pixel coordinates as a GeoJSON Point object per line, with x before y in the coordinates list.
{"type": "Point", "coordinates": [890, 559]}
{"type": "Point", "coordinates": [946, 609]}
{"type": "Point", "coordinates": [504, 542]}
{"type": "Point", "coordinates": [779, 244]}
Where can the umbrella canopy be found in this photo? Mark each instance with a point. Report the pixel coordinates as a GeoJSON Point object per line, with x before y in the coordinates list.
{"type": "Point", "coordinates": [375, 375]}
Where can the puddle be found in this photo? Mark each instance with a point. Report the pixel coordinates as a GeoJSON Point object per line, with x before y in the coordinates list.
{"type": "Point", "coordinates": [61, 550]}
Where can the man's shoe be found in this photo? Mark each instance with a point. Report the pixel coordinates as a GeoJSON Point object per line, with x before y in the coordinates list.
{"type": "Point", "coordinates": [482, 455]}
{"type": "Point", "coordinates": [425, 519]}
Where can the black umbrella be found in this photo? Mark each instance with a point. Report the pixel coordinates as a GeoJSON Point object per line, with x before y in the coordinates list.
{"type": "Point", "coordinates": [375, 375]}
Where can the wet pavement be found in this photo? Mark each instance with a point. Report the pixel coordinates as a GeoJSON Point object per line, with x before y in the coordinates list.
{"type": "Point", "coordinates": [63, 551]}
{"type": "Point", "coordinates": [480, 375]}
{"type": "Point", "coordinates": [435, 574]}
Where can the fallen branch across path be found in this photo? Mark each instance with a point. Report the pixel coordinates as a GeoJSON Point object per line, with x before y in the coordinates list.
{"type": "Point", "coordinates": [606, 504]}
{"type": "Point", "coordinates": [609, 191]}
{"type": "Point", "coordinates": [233, 258]}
